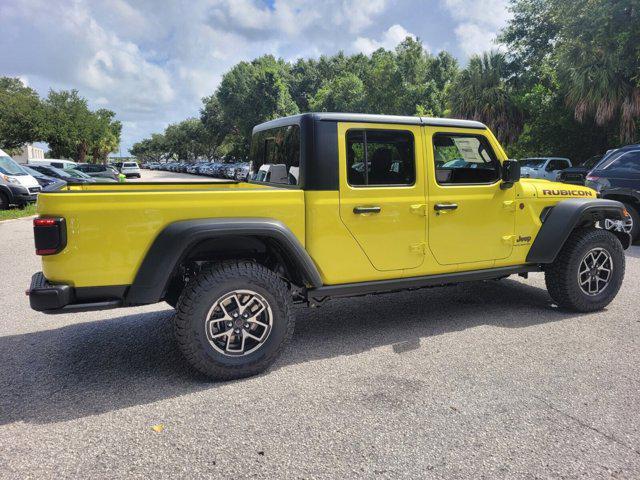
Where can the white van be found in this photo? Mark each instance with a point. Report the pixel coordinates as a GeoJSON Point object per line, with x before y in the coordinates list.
{"type": "Point", "coordinates": [12, 173]}
{"type": "Point", "coordinates": [53, 162]}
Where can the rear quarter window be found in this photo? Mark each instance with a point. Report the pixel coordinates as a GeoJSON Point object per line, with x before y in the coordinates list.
{"type": "Point", "coordinates": [275, 156]}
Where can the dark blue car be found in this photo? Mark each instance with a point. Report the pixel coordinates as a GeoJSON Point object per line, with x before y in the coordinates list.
{"type": "Point", "coordinates": [617, 176]}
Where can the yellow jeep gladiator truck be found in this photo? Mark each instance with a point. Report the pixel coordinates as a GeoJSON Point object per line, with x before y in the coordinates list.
{"type": "Point", "coordinates": [336, 205]}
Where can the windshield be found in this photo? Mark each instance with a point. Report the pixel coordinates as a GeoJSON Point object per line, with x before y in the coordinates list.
{"type": "Point", "coordinates": [9, 167]}
{"type": "Point", "coordinates": [32, 172]}
{"type": "Point", "coordinates": [591, 161]}
{"type": "Point", "coordinates": [76, 173]}
{"type": "Point", "coordinates": [533, 162]}
{"type": "Point", "coordinates": [58, 171]}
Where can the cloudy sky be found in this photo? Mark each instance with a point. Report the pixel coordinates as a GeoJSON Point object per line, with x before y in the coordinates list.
{"type": "Point", "coordinates": [151, 61]}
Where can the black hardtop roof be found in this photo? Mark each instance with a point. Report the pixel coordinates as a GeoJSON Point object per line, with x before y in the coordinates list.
{"type": "Point", "coordinates": [369, 118]}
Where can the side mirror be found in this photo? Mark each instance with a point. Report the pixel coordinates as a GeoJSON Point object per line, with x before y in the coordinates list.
{"type": "Point", "coordinates": [510, 173]}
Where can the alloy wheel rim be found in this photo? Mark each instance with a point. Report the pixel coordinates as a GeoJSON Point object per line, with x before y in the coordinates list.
{"type": "Point", "coordinates": [239, 323]}
{"type": "Point", "coordinates": [595, 271]}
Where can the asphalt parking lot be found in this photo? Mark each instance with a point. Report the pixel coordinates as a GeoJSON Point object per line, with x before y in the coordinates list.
{"type": "Point", "coordinates": [485, 380]}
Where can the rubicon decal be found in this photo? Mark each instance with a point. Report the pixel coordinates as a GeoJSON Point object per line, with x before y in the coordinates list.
{"type": "Point", "coordinates": [575, 193]}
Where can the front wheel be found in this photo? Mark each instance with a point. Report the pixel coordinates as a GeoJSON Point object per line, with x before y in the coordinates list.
{"type": "Point", "coordinates": [588, 272]}
{"type": "Point", "coordinates": [233, 320]}
{"type": "Point", "coordinates": [4, 201]}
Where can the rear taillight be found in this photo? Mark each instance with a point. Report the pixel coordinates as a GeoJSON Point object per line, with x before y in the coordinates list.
{"type": "Point", "coordinates": [50, 235]}
{"type": "Point", "coordinates": [592, 179]}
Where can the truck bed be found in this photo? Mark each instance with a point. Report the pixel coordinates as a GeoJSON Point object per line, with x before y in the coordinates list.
{"type": "Point", "coordinates": [100, 218]}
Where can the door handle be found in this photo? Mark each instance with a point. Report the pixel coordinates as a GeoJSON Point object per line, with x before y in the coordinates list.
{"type": "Point", "coordinates": [445, 206]}
{"type": "Point", "coordinates": [362, 210]}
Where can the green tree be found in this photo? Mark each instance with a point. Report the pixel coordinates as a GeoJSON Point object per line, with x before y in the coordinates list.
{"type": "Point", "coordinates": [252, 93]}
{"type": "Point", "coordinates": [153, 148]}
{"type": "Point", "coordinates": [215, 128]}
{"type": "Point", "coordinates": [105, 135]}
{"type": "Point", "coordinates": [21, 114]}
{"type": "Point", "coordinates": [344, 93]}
{"type": "Point", "coordinates": [69, 125]}
{"type": "Point", "coordinates": [185, 139]}
{"type": "Point", "coordinates": [598, 53]}
{"type": "Point", "coordinates": [481, 93]}
{"type": "Point", "coordinates": [586, 55]}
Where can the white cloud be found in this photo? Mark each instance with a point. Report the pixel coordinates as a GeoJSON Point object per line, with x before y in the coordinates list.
{"type": "Point", "coordinates": [392, 37]}
{"type": "Point", "coordinates": [481, 20]}
{"type": "Point", "coordinates": [151, 62]}
{"type": "Point", "coordinates": [473, 39]}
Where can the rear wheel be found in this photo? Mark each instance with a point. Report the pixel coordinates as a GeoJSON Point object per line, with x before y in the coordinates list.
{"type": "Point", "coordinates": [588, 271]}
{"type": "Point", "coordinates": [233, 320]}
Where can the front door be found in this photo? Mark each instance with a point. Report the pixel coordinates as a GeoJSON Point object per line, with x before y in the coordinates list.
{"type": "Point", "coordinates": [471, 219]}
{"type": "Point", "coordinates": [382, 192]}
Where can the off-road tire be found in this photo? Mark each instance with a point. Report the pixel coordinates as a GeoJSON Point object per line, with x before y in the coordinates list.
{"type": "Point", "coordinates": [200, 294]}
{"type": "Point", "coordinates": [561, 277]}
{"type": "Point", "coordinates": [4, 201]}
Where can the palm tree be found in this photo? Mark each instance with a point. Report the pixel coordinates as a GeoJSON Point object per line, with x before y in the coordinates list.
{"type": "Point", "coordinates": [482, 93]}
{"type": "Point", "coordinates": [598, 88]}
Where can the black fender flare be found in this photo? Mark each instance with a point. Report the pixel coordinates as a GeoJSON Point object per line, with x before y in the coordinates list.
{"type": "Point", "coordinates": [176, 239]}
{"type": "Point", "coordinates": [564, 217]}
{"type": "Point", "coordinates": [617, 192]}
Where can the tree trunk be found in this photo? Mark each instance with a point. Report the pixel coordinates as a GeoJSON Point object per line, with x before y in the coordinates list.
{"type": "Point", "coordinates": [81, 153]}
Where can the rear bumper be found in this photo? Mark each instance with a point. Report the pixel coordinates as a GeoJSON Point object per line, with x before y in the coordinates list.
{"type": "Point", "coordinates": [47, 297]}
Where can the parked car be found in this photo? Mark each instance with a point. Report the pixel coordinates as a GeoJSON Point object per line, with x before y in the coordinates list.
{"type": "Point", "coordinates": [98, 171]}
{"type": "Point", "coordinates": [577, 175]}
{"type": "Point", "coordinates": [242, 172]}
{"type": "Point", "coordinates": [235, 261]}
{"type": "Point", "coordinates": [60, 174]}
{"type": "Point", "coordinates": [543, 167]}
{"type": "Point", "coordinates": [78, 174]}
{"type": "Point", "coordinates": [17, 187]}
{"type": "Point", "coordinates": [130, 169]}
{"type": "Point", "coordinates": [45, 181]}
{"type": "Point", "coordinates": [230, 171]}
{"type": "Point", "coordinates": [617, 177]}
{"type": "Point", "coordinates": [54, 162]}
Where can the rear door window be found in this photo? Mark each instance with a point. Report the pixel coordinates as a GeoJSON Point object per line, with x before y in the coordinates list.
{"type": "Point", "coordinates": [380, 158]}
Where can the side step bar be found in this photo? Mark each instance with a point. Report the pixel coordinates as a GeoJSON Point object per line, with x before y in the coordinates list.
{"type": "Point", "coordinates": [320, 294]}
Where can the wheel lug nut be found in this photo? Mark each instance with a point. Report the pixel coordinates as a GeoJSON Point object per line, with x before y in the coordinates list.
{"type": "Point", "coordinates": [235, 315]}
{"type": "Point", "coordinates": [229, 324]}
{"type": "Point", "coordinates": [237, 330]}
{"type": "Point", "coordinates": [246, 325]}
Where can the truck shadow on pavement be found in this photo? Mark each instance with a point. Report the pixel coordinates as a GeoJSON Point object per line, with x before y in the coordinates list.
{"type": "Point", "coordinates": [95, 367]}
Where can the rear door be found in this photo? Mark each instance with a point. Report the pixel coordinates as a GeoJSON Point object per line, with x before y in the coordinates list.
{"type": "Point", "coordinates": [471, 219]}
{"type": "Point", "coordinates": [382, 192]}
